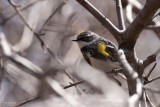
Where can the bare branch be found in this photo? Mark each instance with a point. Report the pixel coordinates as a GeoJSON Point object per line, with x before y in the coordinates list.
{"type": "Point", "coordinates": [144, 97]}
{"type": "Point", "coordinates": [26, 63]}
{"type": "Point", "coordinates": [102, 19]}
{"type": "Point", "coordinates": [73, 84]}
{"type": "Point", "coordinates": [56, 86]}
{"type": "Point", "coordinates": [98, 80]}
{"type": "Point", "coordinates": [52, 14]}
{"type": "Point", "coordinates": [20, 15]}
{"type": "Point", "coordinates": [132, 6]}
{"type": "Point", "coordinates": [155, 23]}
{"type": "Point", "coordinates": [153, 80]}
{"type": "Point", "coordinates": [43, 44]}
{"type": "Point", "coordinates": [28, 101]}
{"type": "Point", "coordinates": [120, 15]}
{"type": "Point", "coordinates": [148, 75]}
{"type": "Point", "coordinates": [129, 13]}
{"type": "Point", "coordinates": [135, 6]}
{"type": "Point", "coordinates": [133, 31]}
{"type": "Point", "coordinates": [149, 60]}
{"type": "Point", "coordinates": [122, 76]}
{"type": "Point", "coordinates": [28, 34]}
{"type": "Point", "coordinates": [4, 44]}
{"type": "Point", "coordinates": [1, 70]}
{"type": "Point", "coordinates": [7, 51]}
{"type": "Point", "coordinates": [134, 83]}
{"type": "Point", "coordinates": [149, 100]}
{"type": "Point", "coordinates": [27, 5]}
{"type": "Point", "coordinates": [151, 90]}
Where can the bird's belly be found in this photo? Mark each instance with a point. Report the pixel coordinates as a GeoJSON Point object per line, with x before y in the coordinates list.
{"type": "Point", "coordinates": [105, 66]}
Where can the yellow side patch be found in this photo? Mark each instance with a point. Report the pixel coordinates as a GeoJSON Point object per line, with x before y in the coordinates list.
{"type": "Point", "coordinates": [102, 49]}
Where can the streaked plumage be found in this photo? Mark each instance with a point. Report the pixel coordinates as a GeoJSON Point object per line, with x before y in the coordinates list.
{"type": "Point", "coordinates": [98, 51]}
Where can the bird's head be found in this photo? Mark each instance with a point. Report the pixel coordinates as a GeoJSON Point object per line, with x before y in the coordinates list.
{"type": "Point", "coordinates": [85, 38]}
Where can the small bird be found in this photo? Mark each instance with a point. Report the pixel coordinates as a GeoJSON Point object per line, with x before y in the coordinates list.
{"type": "Point", "coordinates": [98, 51]}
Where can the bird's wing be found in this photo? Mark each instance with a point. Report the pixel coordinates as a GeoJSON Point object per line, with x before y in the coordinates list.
{"type": "Point", "coordinates": [110, 49]}
{"type": "Point", "coordinates": [86, 50]}
{"type": "Point", "coordinates": [86, 58]}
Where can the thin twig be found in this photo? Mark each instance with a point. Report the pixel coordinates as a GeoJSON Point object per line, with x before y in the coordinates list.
{"type": "Point", "coordinates": [150, 59]}
{"type": "Point", "coordinates": [52, 14]}
{"type": "Point", "coordinates": [28, 35]}
{"type": "Point", "coordinates": [44, 46]}
{"type": "Point", "coordinates": [36, 98]}
{"type": "Point", "coordinates": [21, 16]}
{"type": "Point", "coordinates": [144, 98]}
{"type": "Point", "coordinates": [133, 31]}
{"type": "Point", "coordinates": [28, 101]}
{"type": "Point", "coordinates": [158, 14]}
{"type": "Point", "coordinates": [102, 19]}
{"type": "Point", "coordinates": [149, 101]}
{"type": "Point", "coordinates": [1, 70]}
{"type": "Point", "coordinates": [136, 4]}
{"type": "Point", "coordinates": [153, 80]}
{"type": "Point", "coordinates": [120, 15]}
{"type": "Point", "coordinates": [122, 76]}
{"type": "Point", "coordinates": [21, 9]}
{"type": "Point", "coordinates": [151, 90]}
{"type": "Point", "coordinates": [7, 51]}
{"type": "Point", "coordinates": [73, 84]}
{"type": "Point", "coordinates": [148, 75]}
{"type": "Point", "coordinates": [57, 88]}
{"type": "Point", "coordinates": [129, 13]}
{"type": "Point", "coordinates": [132, 6]}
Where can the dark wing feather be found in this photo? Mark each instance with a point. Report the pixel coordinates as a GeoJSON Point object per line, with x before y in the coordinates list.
{"type": "Point", "coordinates": [91, 49]}
{"type": "Point", "coordinates": [86, 58]}
{"type": "Point", "coordinates": [84, 51]}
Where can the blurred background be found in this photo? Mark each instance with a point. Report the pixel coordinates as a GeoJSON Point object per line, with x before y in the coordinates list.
{"type": "Point", "coordinates": [60, 21]}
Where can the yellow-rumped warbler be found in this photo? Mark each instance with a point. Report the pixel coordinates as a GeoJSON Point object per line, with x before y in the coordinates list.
{"type": "Point", "coordinates": [98, 51]}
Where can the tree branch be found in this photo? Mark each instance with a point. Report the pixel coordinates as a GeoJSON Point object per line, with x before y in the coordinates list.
{"type": "Point", "coordinates": [57, 88]}
{"type": "Point", "coordinates": [132, 6]}
{"type": "Point", "coordinates": [102, 19]}
{"type": "Point", "coordinates": [20, 15]}
{"type": "Point", "coordinates": [150, 59]}
{"type": "Point", "coordinates": [153, 80]}
{"type": "Point", "coordinates": [74, 84]}
{"type": "Point", "coordinates": [149, 101]}
{"type": "Point", "coordinates": [120, 15]}
{"type": "Point", "coordinates": [7, 51]}
{"type": "Point", "coordinates": [136, 27]}
{"type": "Point", "coordinates": [134, 83]}
{"type": "Point", "coordinates": [28, 34]}
{"type": "Point", "coordinates": [43, 44]}
{"type": "Point", "coordinates": [26, 6]}
{"type": "Point", "coordinates": [129, 13]}
{"type": "Point", "coordinates": [148, 75]}
{"type": "Point", "coordinates": [52, 14]}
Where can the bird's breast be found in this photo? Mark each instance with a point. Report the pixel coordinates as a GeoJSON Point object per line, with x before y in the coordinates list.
{"type": "Point", "coordinates": [105, 66]}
